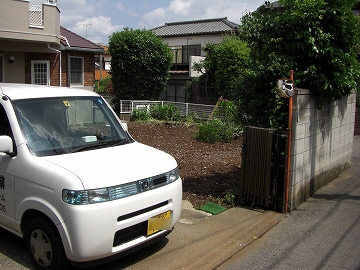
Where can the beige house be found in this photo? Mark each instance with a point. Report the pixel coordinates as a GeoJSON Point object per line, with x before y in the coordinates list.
{"type": "Point", "coordinates": [186, 39]}
{"type": "Point", "coordinates": [35, 49]}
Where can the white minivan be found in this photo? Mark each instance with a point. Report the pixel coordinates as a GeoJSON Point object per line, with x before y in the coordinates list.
{"type": "Point", "coordinates": [74, 183]}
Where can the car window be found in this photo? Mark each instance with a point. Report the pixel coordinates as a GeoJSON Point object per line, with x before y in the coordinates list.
{"type": "Point", "coordinates": [65, 125]}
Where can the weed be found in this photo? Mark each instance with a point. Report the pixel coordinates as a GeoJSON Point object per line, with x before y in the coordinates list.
{"type": "Point", "coordinates": [141, 114]}
{"type": "Point", "coordinates": [167, 112]}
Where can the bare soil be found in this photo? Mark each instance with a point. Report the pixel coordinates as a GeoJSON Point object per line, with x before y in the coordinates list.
{"type": "Point", "coordinates": [210, 172]}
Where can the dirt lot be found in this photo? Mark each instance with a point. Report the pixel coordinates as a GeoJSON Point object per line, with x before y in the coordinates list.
{"type": "Point", "coordinates": [209, 171]}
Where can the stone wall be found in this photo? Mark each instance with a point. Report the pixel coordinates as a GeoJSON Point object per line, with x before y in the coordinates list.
{"type": "Point", "coordinates": [322, 142]}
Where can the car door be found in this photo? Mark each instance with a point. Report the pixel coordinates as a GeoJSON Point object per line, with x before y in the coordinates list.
{"type": "Point", "coordinates": [7, 207]}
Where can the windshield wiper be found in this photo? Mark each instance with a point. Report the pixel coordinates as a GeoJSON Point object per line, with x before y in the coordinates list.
{"type": "Point", "coordinates": [86, 147]}
{"type": "Point", "coordinates": [97, 145]}
{"type": "Point", "coordinates": [56, 151]}
{"type": "Point", "coordinates": [120, 143]}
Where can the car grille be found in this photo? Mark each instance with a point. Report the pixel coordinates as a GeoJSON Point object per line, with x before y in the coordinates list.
{"type": "Point", "coordinates": [139, 186]}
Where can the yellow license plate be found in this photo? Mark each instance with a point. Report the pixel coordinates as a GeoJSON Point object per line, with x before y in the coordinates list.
{"type": "Point", "coordinates": [160, 222]}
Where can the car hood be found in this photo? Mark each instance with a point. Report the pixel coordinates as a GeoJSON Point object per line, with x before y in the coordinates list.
{"type": "Point", "coordinates": [115, 165]}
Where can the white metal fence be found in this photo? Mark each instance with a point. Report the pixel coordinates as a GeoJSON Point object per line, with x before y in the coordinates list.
{"type": "Point", "coordinates": [198, 111]}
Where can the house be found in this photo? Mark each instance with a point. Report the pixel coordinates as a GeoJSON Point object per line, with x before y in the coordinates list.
{"type": "Point", "coordinates": [186, 39]}
{"type": "Point", "coordinates": [35, 49]}
{"type": "Point", "coordinates": [102, 69]}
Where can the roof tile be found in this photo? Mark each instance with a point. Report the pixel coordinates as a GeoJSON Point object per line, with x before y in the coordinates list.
{"type": "Point", "coordinates": [211, 26]}
{"type": "Point", "coordinates": [76, 41]}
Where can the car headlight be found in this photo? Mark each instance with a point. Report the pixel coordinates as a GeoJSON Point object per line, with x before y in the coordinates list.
{"type": "Point", "coordinates": [82, 197]}
{"type": "Point", "coordinates": [85, 196]}
{"type": "Point", "coordinates": [173, 175]}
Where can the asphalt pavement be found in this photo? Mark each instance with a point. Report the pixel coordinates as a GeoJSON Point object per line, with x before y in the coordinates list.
{"type": "Point", "coordinates": [322, 233]}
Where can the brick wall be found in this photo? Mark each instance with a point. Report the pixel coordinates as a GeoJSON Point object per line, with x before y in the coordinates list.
{"type": "Point", "coordinates": [54, 58]}
{"type": "Point", "coordinates": [54, 66]}
{"type": "Point", "coordinates": [89, 67]}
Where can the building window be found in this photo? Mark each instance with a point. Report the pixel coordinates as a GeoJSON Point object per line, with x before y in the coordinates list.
{"type": "Point", "coordinates": [190, 50]}
{"type": "Point", "coordinates": [40, 72]}
{"type": "Point", "coordinates": [175, 91]}
{"type": "Point", "coordinates": [76, 71]}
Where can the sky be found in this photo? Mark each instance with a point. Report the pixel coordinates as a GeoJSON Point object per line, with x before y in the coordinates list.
{"type": "Point", "coordinates": [96, 20]}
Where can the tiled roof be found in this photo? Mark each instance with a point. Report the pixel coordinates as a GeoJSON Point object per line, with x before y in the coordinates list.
{"type": "Point", "coordinates": [76, 42]}
{"type": "Point", "coordinates": [201, 27]}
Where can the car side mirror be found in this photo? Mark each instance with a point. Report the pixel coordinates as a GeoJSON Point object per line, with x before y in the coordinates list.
{"type": "Point", "coordinates": [6, 145]}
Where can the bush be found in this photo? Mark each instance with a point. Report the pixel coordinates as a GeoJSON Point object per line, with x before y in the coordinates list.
{"type": "Point", "coordinates": [167, 112]}
{"type": "Point", "coordinates": [141, 114]}
{"type": "Point", "coordinates": [216, 130]}
{"type": "Point", "coordinates": [103, 86]}
{"type": "Point", "coordinates": [226, 111]}
{"type": "Point", "coordinates": [223, 127]}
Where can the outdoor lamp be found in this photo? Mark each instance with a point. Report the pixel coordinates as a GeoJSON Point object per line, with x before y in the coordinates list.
{"type": "Point", "coordinates": [11, 59]}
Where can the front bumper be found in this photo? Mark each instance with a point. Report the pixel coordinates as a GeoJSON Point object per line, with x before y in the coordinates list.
{"type": "Point", "coordinates": [97, 231]}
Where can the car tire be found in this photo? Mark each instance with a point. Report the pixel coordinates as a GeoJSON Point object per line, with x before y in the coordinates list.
{"type": "Point", "coordinates": [44, 245]}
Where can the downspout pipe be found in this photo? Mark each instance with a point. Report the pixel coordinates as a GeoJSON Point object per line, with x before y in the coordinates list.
{"type": "Point", "coordinates": [290, 120]}
{"type": "Point", "coordinates": [68, 67]}
{"type": "Point", "coordinates": [58, 51]}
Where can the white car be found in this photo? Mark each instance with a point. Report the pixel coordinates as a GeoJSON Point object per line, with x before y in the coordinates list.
{"type": "Point", "coordinates": [74, 183]}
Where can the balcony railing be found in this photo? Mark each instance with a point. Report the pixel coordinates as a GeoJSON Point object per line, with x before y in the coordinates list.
{"type": "Point", "coordinates": [36, 11]}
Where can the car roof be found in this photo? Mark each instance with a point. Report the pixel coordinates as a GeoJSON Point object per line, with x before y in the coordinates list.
{"type": "Point", "coordinates": [29, 91]}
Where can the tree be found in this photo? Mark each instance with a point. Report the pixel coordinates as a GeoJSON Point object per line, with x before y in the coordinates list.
{"type": "Point", "coordinates": [225, 63]}
{"type": "Point", "coordinates": [140, 64]}
{"type": "Point", "coordinates": [318, 39]}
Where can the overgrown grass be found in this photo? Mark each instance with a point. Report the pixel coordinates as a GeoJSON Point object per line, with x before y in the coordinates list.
{"type": "Point", "coordinates": [216, 130]}
{"type": "Point", "coordinates": [167, 112]}
{"type": "Point", "coordinates": [141, 114]}
{"type": "Point", "coordinates": [223, 127]}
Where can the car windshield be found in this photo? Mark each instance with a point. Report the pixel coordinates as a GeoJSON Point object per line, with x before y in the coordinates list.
{"type": "Point", "coordinates": [55, 126]}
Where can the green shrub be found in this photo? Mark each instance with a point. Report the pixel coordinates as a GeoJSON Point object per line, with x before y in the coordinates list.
{"type": "Point", "coordinates": [226, 111]}
{"type": "Point", "coordinates": [223, 127]}
{"type": "Point", "coordinates": [216, 130]}
{"type": "Point", "coordinates": [141, 114]}
{"type": "Point", "coordinates": [208, 132]}
{"type": "Point", "coordinates": [103, 86]}
{"type": "Point", "coordinates": [167, 112]}
{"type": "Point", "coordinates": [190, 118]}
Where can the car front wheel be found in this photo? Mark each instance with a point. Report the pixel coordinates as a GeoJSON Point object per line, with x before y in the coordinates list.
{"type": "Point", "coordinates": [44, 245]}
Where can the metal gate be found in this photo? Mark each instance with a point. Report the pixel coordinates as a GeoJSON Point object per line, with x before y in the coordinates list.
{"type": "Point", "coordinates": [263, 167]}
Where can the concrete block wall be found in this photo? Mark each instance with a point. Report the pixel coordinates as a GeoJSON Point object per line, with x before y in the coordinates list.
{"type": "Point", "coordinates": [357, 121]}
{"type": "Point", "coordinates": [321, 143]}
